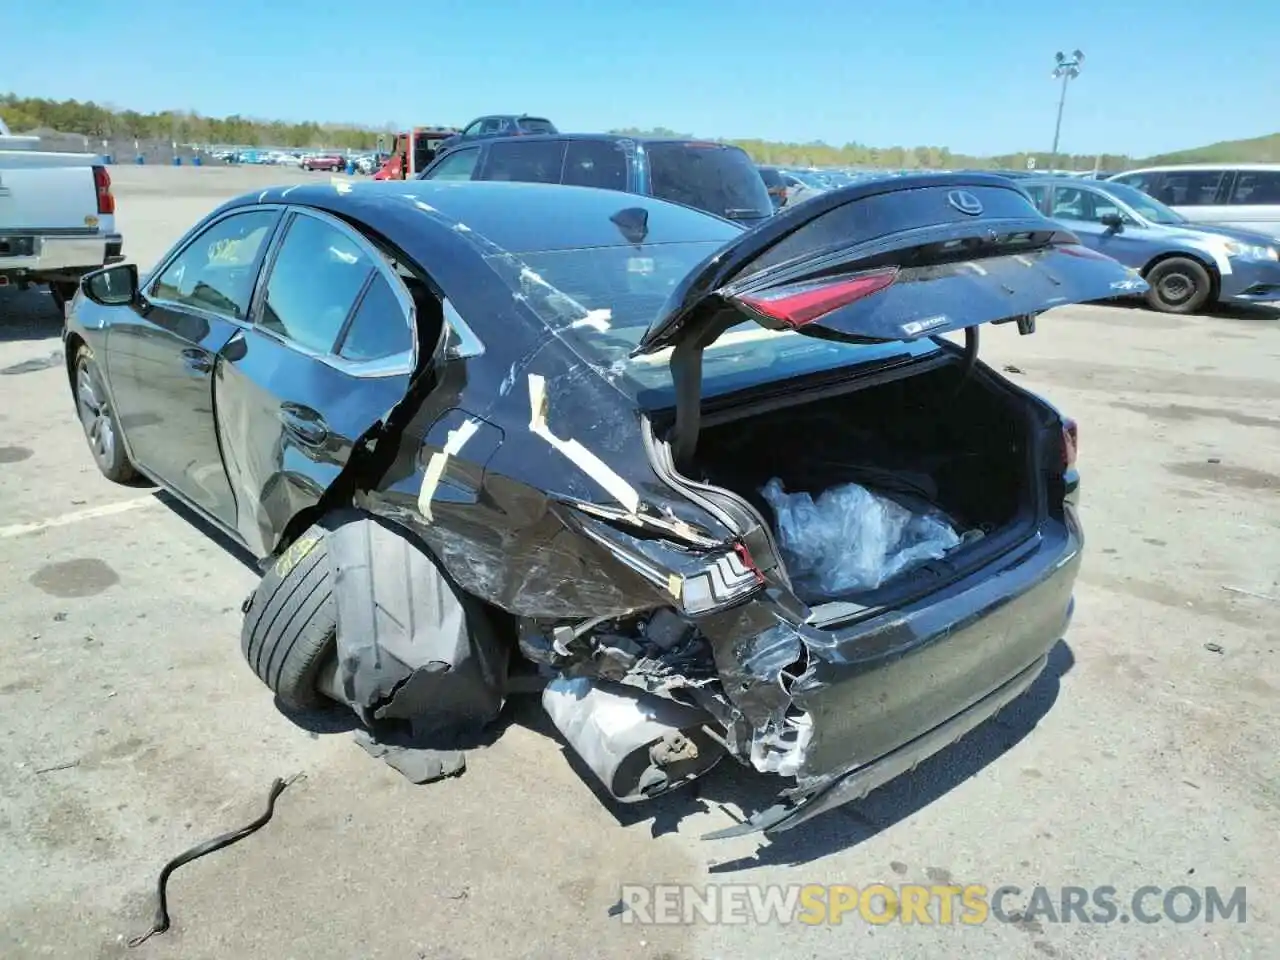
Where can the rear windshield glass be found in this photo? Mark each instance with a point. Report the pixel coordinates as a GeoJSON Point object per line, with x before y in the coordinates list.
{"type": "Point", "coordinates": [535, 125]}
{"type": "Point", "coordinates": [601, 300]}
{"type": "Point", "coordinates": [719, 179]}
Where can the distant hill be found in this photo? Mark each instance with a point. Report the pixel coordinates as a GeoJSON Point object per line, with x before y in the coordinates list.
{"type": "Point", "coordinates": [1256, 150]}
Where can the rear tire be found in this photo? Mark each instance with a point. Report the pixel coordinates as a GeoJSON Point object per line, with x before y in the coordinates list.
{"type": "Point", "coordinates": [1178, 285]}
{"type": "Point", "coordinates": [291, 623]}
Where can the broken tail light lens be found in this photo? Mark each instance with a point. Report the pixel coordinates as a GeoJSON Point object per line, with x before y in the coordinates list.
{"type": "Point", "coordinates": [795, 305]}
{"type": "Point", "coordinates": [699, 581]}
{"type": "Point", "coordinates": [725, 581]}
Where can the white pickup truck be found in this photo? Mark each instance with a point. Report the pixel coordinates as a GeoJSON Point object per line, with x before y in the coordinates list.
{"type": "Point", "coordinates": [57, 216]}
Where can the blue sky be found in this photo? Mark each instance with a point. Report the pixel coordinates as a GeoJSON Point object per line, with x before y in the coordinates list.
{"type": "Point", "coordinates": [973, 75]}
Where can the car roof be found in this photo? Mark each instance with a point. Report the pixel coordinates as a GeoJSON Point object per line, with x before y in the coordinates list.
{"type": "Point", "coordinates": [509, 116]}
{"type": "Point", "coordinates": [551, 216]}
{"type": "Point", "coordinates": [608, 137]}
{"type": "Point", "coordinates": [1192, 167]}
{"type": "Point", "coordinates": [1060, 181]}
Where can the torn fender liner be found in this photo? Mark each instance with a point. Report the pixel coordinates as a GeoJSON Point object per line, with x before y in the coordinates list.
{"type": "Point", "coordinates": [417, 764]}
{"type": "Point", "coordinates": [409, 647]}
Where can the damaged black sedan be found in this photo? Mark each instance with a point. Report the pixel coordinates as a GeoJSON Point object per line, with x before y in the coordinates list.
{"type": "Point", "coordinates": [712, 491]}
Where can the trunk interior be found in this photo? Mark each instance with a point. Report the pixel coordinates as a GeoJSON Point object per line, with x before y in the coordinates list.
{"type": "Point", "coordinates": [933, 439]}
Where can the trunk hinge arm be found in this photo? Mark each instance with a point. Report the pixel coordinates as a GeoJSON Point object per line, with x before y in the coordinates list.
{"type": "Point", "coordinates": [686, 372]}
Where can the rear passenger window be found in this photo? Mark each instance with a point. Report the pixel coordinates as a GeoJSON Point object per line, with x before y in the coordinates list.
{"type": "Point", "coordinates": [1256, 187]}
{"type": "Point", "coordinates": [456, 166]}
{"type": "Point", "coordinates": [595, 163]}
{"type": "Point", "coordinates": [1195, 188]}
{"type": "Point", "coordinates": [1037, 194]}
{"type": "Point", "coordinates": [314, 282]}
{"type": "Point", "coordinates": [527, 161]}
{"type": "Point", "coordinates": [379, 328]}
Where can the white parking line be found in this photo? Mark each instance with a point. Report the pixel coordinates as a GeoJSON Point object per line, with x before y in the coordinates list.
{"type": "Point", "coordinates": [90, 513]}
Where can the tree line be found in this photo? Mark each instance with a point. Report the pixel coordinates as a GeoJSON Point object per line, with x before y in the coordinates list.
{"type": "Point", "coordinates": [100, 121]}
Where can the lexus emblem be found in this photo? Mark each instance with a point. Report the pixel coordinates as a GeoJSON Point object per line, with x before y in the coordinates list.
{"type": "Point", "coordinates": [965, 202]}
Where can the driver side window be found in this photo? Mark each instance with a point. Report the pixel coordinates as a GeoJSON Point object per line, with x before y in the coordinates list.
{"type": "Point", "coordinates": [216, 271]}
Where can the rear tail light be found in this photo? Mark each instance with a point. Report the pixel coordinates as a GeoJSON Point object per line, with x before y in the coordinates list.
{"type": "Point", "coordinates": [794, 306]}
{"type": "Point", "coordinates": [1070, 443]}
{"type": "Point", "coordinates": [102, 186]}
{"type": "Point", "coordinates": [724, 581]}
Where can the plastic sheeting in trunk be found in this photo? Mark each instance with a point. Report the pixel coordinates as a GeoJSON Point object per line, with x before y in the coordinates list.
{"type": "Point", "coordinates": [850, 539]}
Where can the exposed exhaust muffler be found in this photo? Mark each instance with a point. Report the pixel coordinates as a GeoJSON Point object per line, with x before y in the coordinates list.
{"type": "Point", "coordinates": [638, 744]}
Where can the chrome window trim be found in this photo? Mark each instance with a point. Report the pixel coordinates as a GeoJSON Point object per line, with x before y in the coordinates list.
{"type": "Point", "coordinates": [397, 364]}
{"type": "Point", "coordinates": [463, 342]}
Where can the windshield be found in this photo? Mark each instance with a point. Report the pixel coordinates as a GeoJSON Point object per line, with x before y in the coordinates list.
{"type": "Point", "coordinates": [1144, 204]}
{"type": "Point", "coordinates": [713, 177]}
{"type": "Point", "coordinates": [601, 301]}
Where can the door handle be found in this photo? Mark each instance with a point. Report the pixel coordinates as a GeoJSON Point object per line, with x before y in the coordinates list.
{"type": "Point", "coordinates": [197, 361]}
{"type": "Point", "coordinates": [304, 424]}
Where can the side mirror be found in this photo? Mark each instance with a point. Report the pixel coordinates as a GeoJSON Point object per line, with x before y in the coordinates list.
{"type": "Point", "coordinates": [1113, 221]}
{"type": "Point", "coordinates": [113, 286]}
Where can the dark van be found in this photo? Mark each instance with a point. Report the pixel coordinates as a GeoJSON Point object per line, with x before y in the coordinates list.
{"type": "Point", "coordinates": [716, 177]}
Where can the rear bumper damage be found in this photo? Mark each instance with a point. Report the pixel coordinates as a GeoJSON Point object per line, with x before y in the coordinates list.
{"type": "Point", "coordinates": [839, 709]}
{"type": "Point", "coordinates": [857, 783]}
{"type": "Point", "coordinates": [877, 697]}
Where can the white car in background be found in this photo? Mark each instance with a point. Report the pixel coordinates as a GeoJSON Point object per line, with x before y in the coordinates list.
{"type": "Point", "coordinates": [801, 185]}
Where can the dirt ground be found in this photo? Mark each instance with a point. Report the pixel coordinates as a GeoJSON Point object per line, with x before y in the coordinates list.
{"type": "Point", "coordinates": [1146, 756]}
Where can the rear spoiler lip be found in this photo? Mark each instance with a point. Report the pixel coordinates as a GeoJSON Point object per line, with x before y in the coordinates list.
{"type": "Point", "coordinates": [856, 256]}
{"type": "Point", "coordinates": [721, 267]}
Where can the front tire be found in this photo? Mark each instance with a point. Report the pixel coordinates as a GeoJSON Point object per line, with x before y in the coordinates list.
{"type": "Point", "coordinates": [291, 623]}
{"type": "Point", "coordinates": [98, 418]}
{"type": "Point", "coordinates": [1178, 285]}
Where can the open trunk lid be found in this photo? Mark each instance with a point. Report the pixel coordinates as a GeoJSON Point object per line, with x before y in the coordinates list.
{"type": "Point", "coordinates": [896, 259]}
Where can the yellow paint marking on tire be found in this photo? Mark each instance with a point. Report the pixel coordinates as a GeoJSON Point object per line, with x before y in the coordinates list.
{"type": "Point", "coordinates": [293, 556]}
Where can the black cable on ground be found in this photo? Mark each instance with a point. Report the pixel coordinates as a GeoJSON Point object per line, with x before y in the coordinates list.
{"type": "Point", "coordinates": [161, 923]}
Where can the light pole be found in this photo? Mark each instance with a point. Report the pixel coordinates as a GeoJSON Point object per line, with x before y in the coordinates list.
{"type": "Point", "coordinates": [1067, 69]}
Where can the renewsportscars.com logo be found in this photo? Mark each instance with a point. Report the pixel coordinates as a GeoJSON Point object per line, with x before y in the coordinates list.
{"type": "Point", "coordinates": [934, 904]}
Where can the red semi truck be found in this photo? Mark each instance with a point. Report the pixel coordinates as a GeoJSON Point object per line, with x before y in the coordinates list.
{"type": "Point", "coordinates": [412, 151]}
